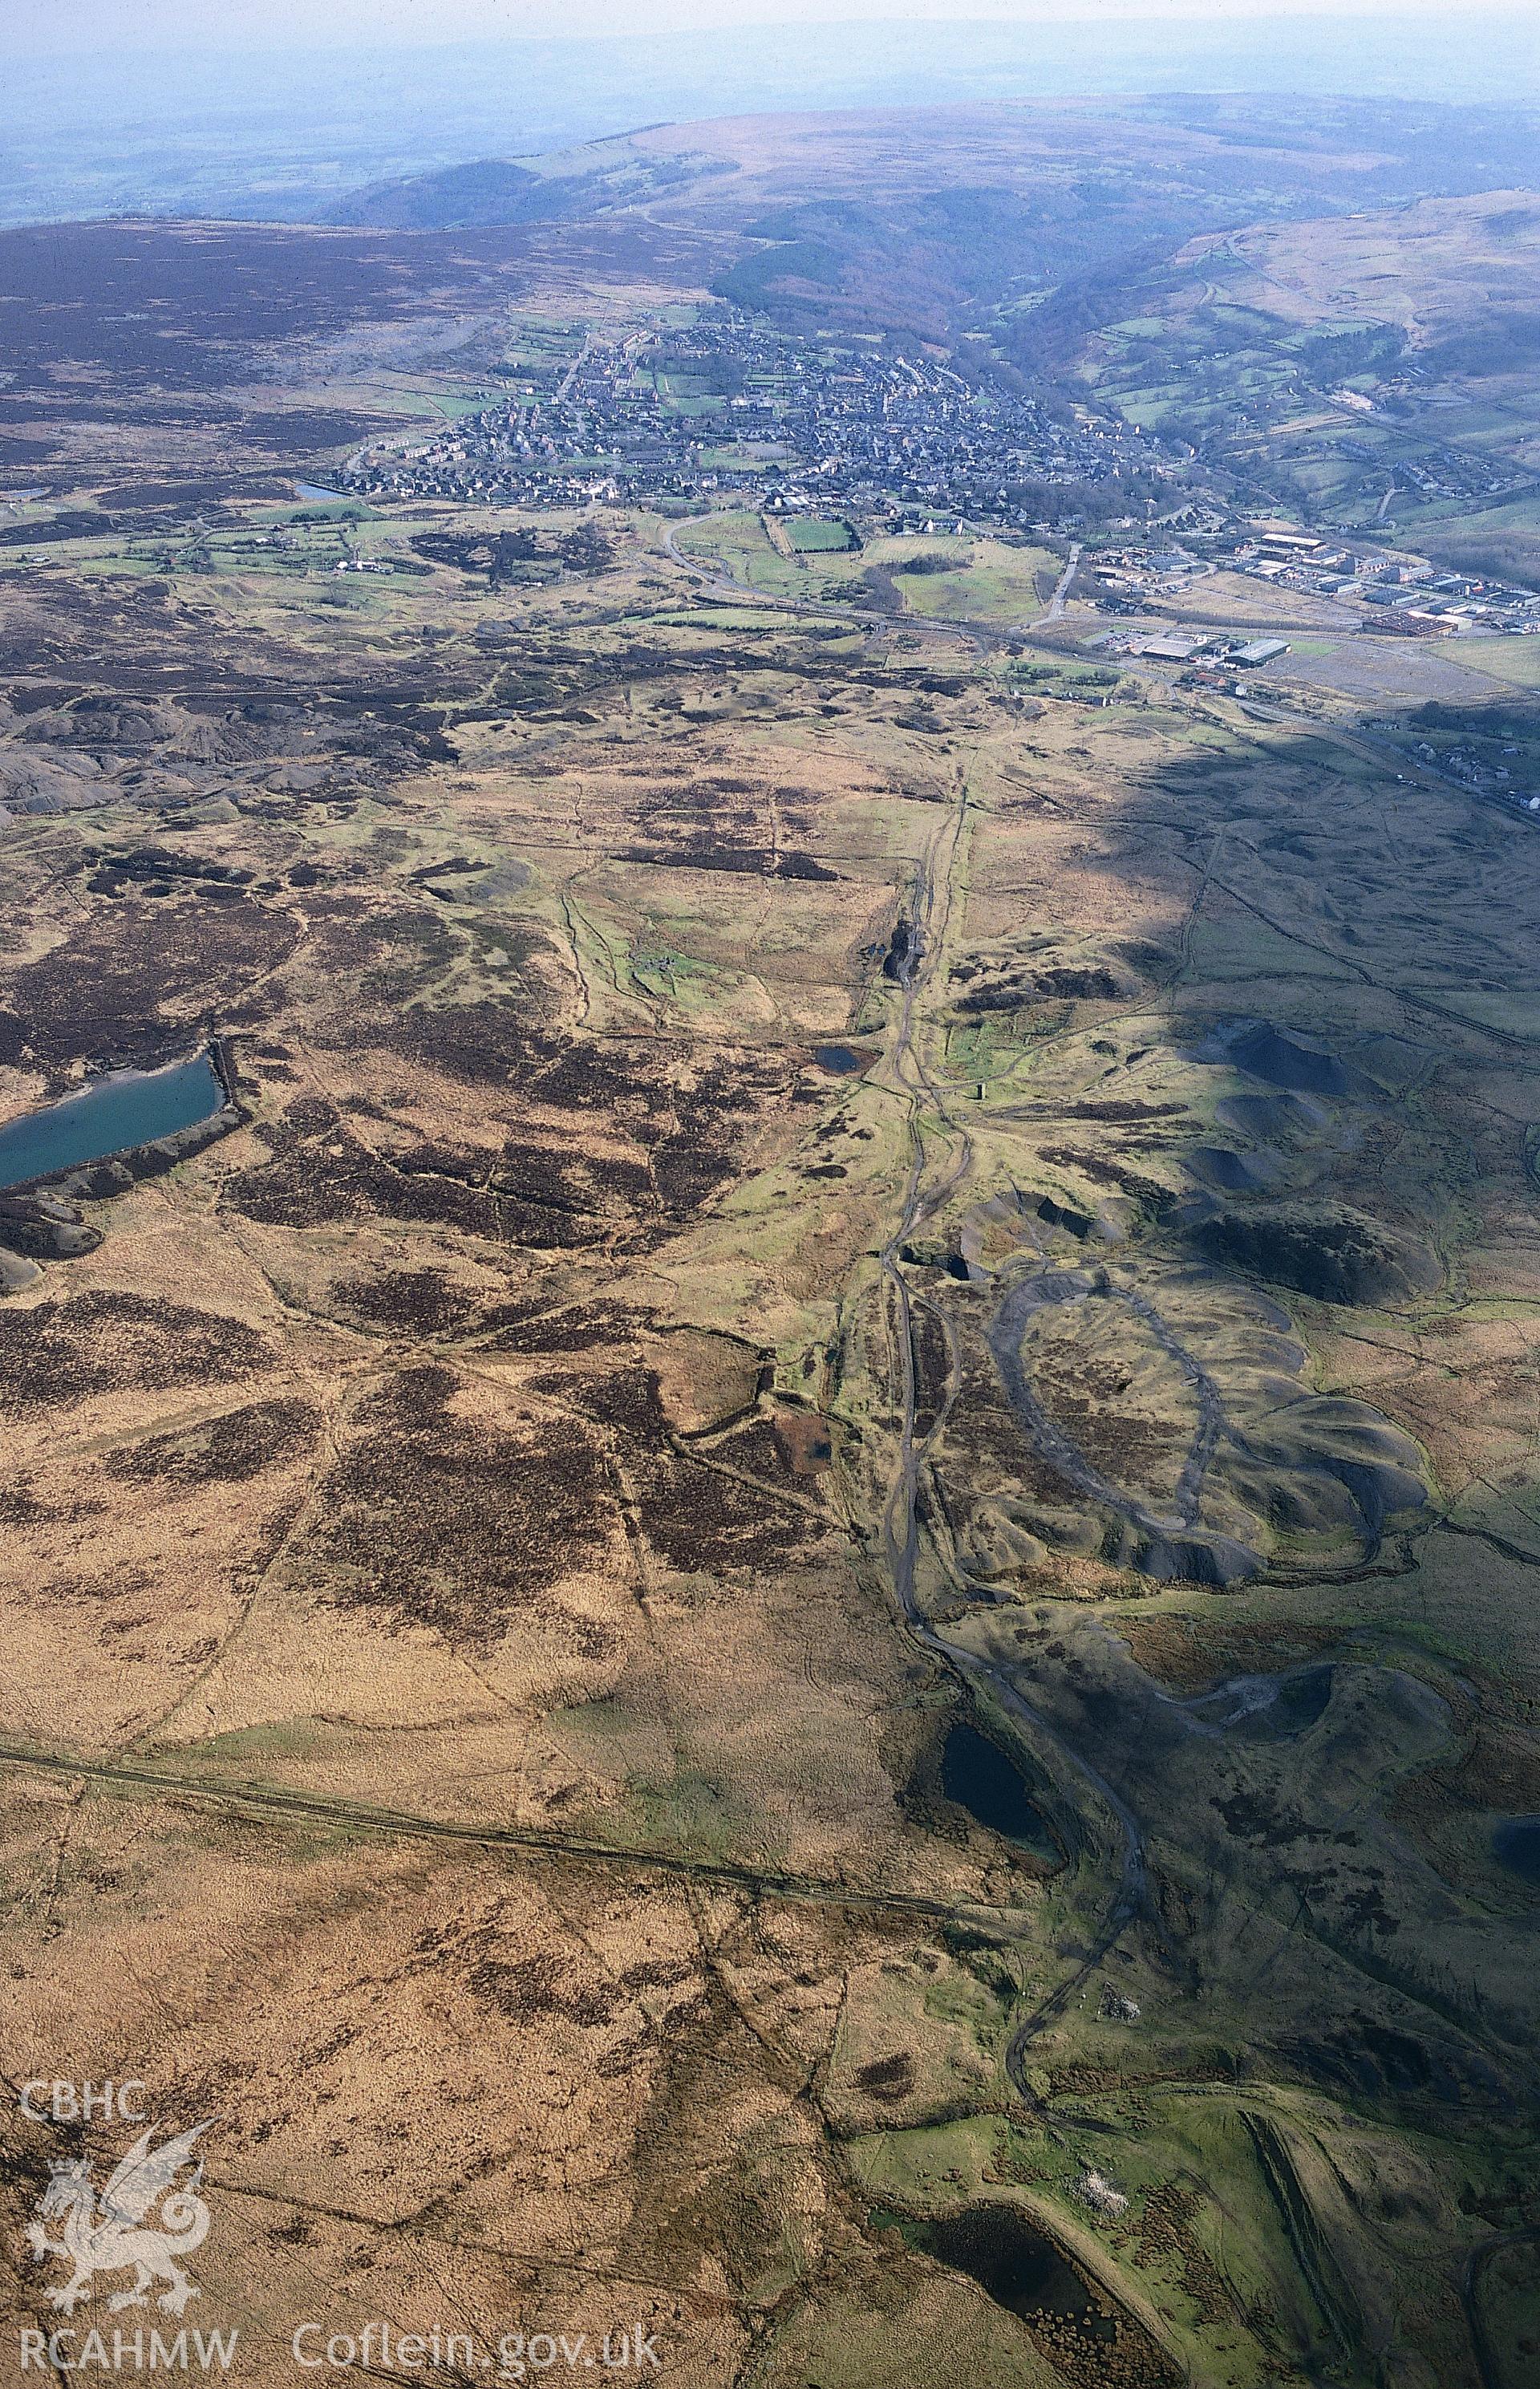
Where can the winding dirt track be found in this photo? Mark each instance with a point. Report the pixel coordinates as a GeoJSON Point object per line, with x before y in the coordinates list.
{"type": "Point", "coordinates": [1049, 1442]}
{"type": "Point", "coordinates": [930, 910]}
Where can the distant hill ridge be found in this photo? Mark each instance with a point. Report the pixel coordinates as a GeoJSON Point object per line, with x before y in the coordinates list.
{"type": "Point", "coordinates": [485, 191]}
{"type": "Point", "coordinates": [490, 191]}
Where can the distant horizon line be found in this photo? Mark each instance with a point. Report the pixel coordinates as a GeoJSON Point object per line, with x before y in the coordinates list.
{"type": "Point", "coordinates": [1304, 19]}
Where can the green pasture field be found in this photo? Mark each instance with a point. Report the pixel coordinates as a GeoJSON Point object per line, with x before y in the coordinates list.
{"type": "Point", "coordinates": [686, 394]}
{"type": "Point", "coordinates": [811, 535]}
{"type": "Point", "coordinates": [741, 542]}
{"type": "Point", "coordinates": [1516, 661]}
{"type": "Point", "coordinates": [993, 582]}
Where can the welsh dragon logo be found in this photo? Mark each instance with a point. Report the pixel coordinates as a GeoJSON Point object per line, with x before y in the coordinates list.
{"type": "Point", "coordinates": [114, 2234]}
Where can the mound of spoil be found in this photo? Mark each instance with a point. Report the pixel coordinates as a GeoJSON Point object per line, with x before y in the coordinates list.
{"type": "Point", "coordinates": [1169, 1557]}
{"type": "Point", "coordinates": [1280, 1059]}
{"type": "Point", "coordinates": [1266, 1117]}
{"type": "Point", "coordinates": [1090, 982]}
{"type": "Point", "coordinates": [1322, 1249]}
{"type": "Point", "coordinates": [1234, 1173]}
{"type": "Point", "coordinates": [43, 1227]}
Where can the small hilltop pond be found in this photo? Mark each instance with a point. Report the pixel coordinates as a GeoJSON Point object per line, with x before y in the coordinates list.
{"type": "Point", "coordinates": [1516, 1844]}
{"type": "Point", "coordinates": [976, 1774]}
{"type": "Point", "coordinates": [129, 1108]}
{"type": "Point", "coordinates": [843, 1061]}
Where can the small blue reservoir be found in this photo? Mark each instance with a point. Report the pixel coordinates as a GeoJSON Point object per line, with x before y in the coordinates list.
{"type": "Point", "coordinates": [130, 1108]}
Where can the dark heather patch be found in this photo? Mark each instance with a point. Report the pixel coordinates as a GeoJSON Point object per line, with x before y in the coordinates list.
{"type": "Point", "coordinates": [694, 1518]}
{"type": "Point", "coordinates": [21, 1506]}
{"type": "Point", "coordinates": [550, 1228]}
{"type": "Point", "coordinates": [581, 1327]}
{"type": "Point", "coordinates": [694, 1515]}
{"type": "Point", "coordinates": [421, 1300]}
{"type": "Point", "coordinates": [712, 1118]}
{"type": "Point", "coordinates": [688, 1122]}
{"type": "Point", "coordinates": [305, 1183]}
{"type": "Point", "coordinates": [101, 1343]}
{"type": "Point", "coordinates": [757, 1447]}
{"type": "Point", "coordinates": [595, 1078]}
{"type": "Point", "coordinates": [589, 1187]}
{"type": "Point", "coordinates": [485, 1044]}
{"type": "Point", "coordinates": [888, 2077]}
{"type": "Point", "coordinates": [221, 1450]}
{"type": "Point", "coordinates": [628, 1399]}
{"type": "Point", "coordinates": [443, 1522]}
{"type": "Point", "coordinates": [540, 1986]}
{"type": "Point", "coordinates": [101, 992]}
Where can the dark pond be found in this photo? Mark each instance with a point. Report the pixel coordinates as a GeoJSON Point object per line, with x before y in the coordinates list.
{"type": "Point", "coordinates": [129, 1108]}
{"type": "Point", "coordinates": [977, 1773]}
{"type": "Point", "coordinates": [1011, 2261]}
{"type": "Point", "coordinates": [1302, 1698]}
{"type": "Point", "coordinates": [1001, 2248]}
{"type": "Point", "coordinates": [841, 1059]}
{"type": "Point", "coordinates": [1516, 1844]}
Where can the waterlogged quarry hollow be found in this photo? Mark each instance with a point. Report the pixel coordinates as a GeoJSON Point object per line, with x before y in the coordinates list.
{"type": "Point", "coordinates": [1022, 2270]}
{"type": "Point", "coordinates": [977, 1775]}
{"type": "Point", "coordinates": [1516, 1844]}
{"type": "Point", "coordinates": [1011, 2261]}
{"type": "Point", "coordinates": [131, 1108]}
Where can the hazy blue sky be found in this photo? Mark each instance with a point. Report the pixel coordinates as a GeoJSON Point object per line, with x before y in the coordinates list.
{"type": "Point", "coordinates": [79, 25]}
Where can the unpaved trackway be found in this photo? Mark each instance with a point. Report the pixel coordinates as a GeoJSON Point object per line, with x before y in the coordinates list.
{"type": "Point", "coordinates": [276, 1801]}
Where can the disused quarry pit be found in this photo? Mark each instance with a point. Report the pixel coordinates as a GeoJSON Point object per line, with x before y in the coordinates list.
{"type": "Point", "coordinates": [1516, 1846]}
{"type": "Point", "coordinates": [977, 1775]}
{"type": "Point", "coordinates": [1089, 2342]}
{"type": "Point", "coordinates": [98, 1143]}
{"type": "Point", "coordinates": [960, 1772]}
